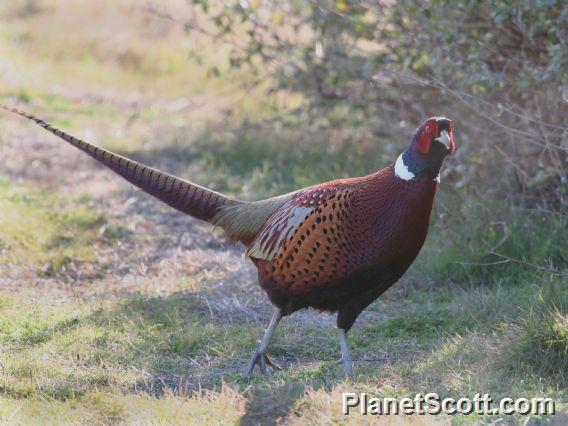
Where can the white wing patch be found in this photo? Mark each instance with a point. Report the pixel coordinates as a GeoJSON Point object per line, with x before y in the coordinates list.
{"type": "Point", "coordinates": [277, 231]}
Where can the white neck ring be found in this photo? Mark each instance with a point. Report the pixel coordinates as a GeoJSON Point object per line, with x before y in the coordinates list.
{"type": "Point", "coordinates": [401, 170]}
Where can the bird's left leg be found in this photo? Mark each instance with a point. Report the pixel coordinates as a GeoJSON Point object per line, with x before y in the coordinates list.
{"type": "Point", "coordinates": [259, 357]}
{"type": "Point", "coordinates": [345, 355]}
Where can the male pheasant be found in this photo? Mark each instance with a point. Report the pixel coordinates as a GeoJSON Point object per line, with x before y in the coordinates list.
{"type": "Point", "coordinates": [336, 246]}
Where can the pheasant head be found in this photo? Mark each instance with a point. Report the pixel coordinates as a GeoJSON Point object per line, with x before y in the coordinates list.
{"type": "Point", "coordinates": [433, 140]}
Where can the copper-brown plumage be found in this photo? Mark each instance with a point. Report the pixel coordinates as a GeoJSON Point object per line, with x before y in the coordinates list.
{"type": "Point", "coordinates": [372, 227]}
{"type": "Point", "coordinates": [336, 246]}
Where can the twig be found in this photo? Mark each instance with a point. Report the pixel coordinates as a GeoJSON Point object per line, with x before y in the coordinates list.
{"type": "Point", "coordinates": [461, 95]}
{"type": "Point", "coordinates": [524, 262]}
{"type": "Point", "coordinates": [507, 259]}
{"type": "Point", "coordinates": [480, 263]}
{"type": "Point", "coordinates": [505, 237]}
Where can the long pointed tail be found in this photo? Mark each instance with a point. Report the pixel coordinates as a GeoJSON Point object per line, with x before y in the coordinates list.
{"type": "Point", "coordinates": [182, 195]}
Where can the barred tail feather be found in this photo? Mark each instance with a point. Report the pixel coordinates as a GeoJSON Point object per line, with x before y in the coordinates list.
{"type": "Point", "coordinates": [182, 195]}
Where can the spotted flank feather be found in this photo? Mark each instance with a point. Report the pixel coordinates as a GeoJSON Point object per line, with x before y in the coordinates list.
{"type": "Point", "coordinates": [302, 245]}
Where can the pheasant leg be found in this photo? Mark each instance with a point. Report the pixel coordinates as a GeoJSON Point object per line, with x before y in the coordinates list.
{"type": "Point", "coordinates": [259, 357]}
{"type": "Point", "coordinates": [345, 355]}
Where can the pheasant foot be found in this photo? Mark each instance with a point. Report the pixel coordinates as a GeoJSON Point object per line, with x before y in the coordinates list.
{"type": "Point", "coordinates": [263, 361]}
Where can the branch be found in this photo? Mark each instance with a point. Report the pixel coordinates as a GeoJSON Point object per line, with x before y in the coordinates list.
{"type": "Point", "coordinates": [524, 262]}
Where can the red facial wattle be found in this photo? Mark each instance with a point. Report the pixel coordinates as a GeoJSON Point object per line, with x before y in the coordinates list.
{"type": "Point", "coordinates": [430, 132]}
{"type": "Point", "coordinates": [425, 139]}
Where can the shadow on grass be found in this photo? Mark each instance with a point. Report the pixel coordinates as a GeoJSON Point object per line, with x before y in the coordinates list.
{"type": "Point", "coordinates": [182, 349]}
{"type": "Point", "coordinates": [272, 406]}
{"type": "Point", "coordinates": [172, 344]}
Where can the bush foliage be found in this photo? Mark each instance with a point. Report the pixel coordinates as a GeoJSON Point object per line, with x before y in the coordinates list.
{"type": "Point", "coordinates": [497, 68]}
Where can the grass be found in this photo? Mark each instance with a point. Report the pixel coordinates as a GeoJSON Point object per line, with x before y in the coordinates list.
{"type": "Point", "coordinates": [141, 348]}
{"type": "Point", "coordinates": [535, 239]}
{"type": "Point", "coordinates": [114, 309]}
{"type": "Point", "coordinates": [44, 229]}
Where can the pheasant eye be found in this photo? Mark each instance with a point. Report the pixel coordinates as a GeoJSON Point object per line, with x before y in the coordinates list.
{"type": "Point", "coordinates": [427, 129]}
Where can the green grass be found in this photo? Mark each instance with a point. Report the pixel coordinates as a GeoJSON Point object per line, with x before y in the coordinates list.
{"type": "Point", "coordinates": [109, 408]}
{"type": "Point", "coordinates": [276, 158]}
{"type": "Point", "coordinates": [138, 348]}
{"type": "Point", "coordinates": [528, 243]}
{"type": "Point", "coordinates": [45, 229]}
{"type": "Point", "coordinates": [543, 336]}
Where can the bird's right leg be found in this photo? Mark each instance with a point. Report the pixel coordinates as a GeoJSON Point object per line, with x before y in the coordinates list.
{"type": "Point", "coordinates": [345, 354]}
{"type": "Point", "coordinates": [259, 357]}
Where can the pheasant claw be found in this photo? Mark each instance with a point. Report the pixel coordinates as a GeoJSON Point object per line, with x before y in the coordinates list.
{"type": "Point", "coordinates": [263, 361]}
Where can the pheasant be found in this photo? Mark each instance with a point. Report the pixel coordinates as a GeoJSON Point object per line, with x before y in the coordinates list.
{"type": "Point", "coordinates": [335, 247]}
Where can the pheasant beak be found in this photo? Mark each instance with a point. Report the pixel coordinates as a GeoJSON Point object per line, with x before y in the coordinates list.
{"type": "Point", "coordinates": [446, 140]}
